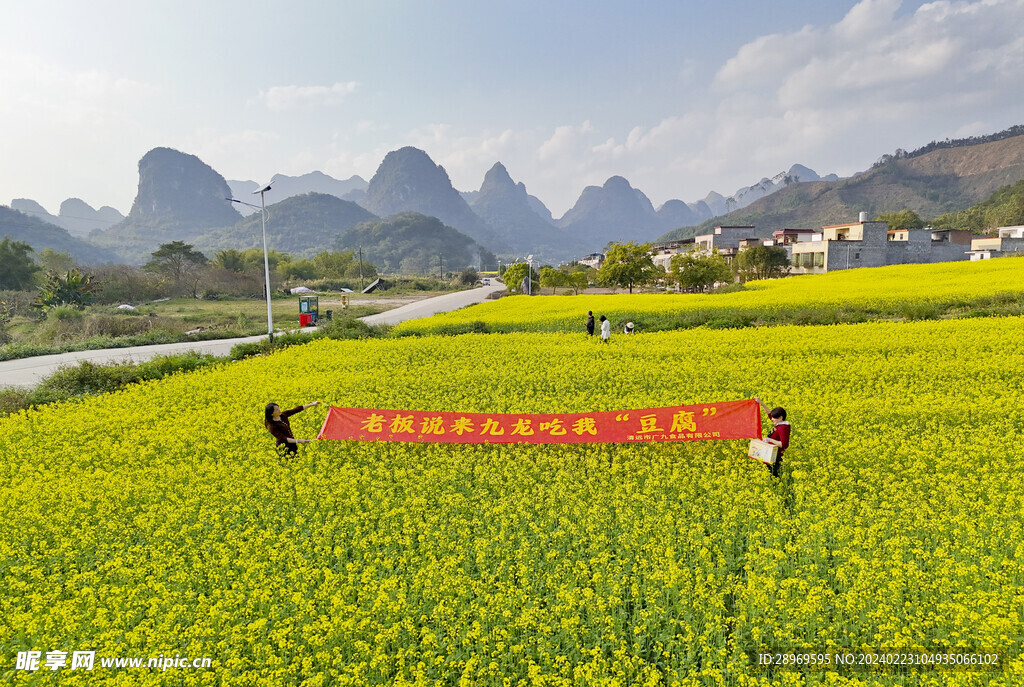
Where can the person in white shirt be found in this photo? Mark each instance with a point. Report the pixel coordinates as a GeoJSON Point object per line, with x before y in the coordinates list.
{"type": "Point", "coordinates": [606, 329]}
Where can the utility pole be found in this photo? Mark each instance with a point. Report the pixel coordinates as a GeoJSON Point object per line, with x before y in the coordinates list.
{"type": "Point", "coordinates": [360, 268]}
{"type": "Point", "coordinates": [441, 259]}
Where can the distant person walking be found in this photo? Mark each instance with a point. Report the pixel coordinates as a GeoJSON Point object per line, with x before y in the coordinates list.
{"type": "Point", "coordinates": [590, 322]}
{"type": "Point", "coordinates": [276, 422]}
{"type": "Point", "coordinates": [779, 435]}
{"type": "Point", "coordinates": [606, 329]}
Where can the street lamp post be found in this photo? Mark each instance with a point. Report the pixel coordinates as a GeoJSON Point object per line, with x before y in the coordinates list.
{"type": "Point", "coordinates": [266, 259]}
{"type": "Point", "coordinates": [529, 275]}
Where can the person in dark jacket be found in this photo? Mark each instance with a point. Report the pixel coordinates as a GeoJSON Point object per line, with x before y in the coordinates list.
{"type": "Point", "coordinates": [779, 434]}
{"type": "Point", "coordinates": [276, 422]}
{"type": "Point", "coordinates": [590, 322]}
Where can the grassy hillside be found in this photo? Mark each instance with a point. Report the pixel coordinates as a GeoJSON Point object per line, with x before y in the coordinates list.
{"type": "Point", "coordinates": [937, 182]}
{"type": "Point", "coordinates": [301, 225]}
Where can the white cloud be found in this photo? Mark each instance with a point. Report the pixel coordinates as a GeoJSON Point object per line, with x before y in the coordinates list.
{"type": "Point", "coordinates": [872, 53]}
{"type": "Point", "coordinates": [278, 98]}
{"type": "Point", "coordinates": [833, 97]}
{"type": "Point", "coordinates": [871, 82]}
{"type": "Point", "coordinates": [71, 131]}
{"type": "Point", "coordinates": [236, 154]}
{"type": "Point", "coordinates": [45, 93]}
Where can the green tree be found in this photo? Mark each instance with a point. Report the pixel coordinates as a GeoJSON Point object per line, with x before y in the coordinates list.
{"type": "Point", "coordinates": [468, 276]}
{"type": "Point", "coordinates": [761, 262]}
{"type": "Point", "coordinates": [180, 262]}
{"type": "Point", "coordinates": [297, 269]}
{"type": "Point", "coordinates": [552, 278]}
{"type": "Point", "coordinates": [344, 265]}
{"type": "Point", "coordinates": [577, 280]}
{"type": "Point", "coordinates": [693, 270]}
{"type": "Point", "coordinates": [175, 259]}
{"type": "Point", "coordinates": [17, 268]}
{"type": "Point", "coordinates": [72, 288]}
{"type": "Point", "coordinates": [627, 265]}
{"type": "Point", "coordinates": [53, 261]}
{"type": "Point", "coordinates": [904, 219]}
{"type": "Point", "coordinates": [333, 264]}
{"type": "Point", "coordinates": [514, 275]}
{"type": "Point", "coordinates": [230, 259]}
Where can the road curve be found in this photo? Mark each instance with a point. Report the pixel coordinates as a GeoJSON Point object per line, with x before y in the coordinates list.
{"type": "Point", "coordinates": [28, 372]}
{"type": "Point", "coordinates": [432, 306]}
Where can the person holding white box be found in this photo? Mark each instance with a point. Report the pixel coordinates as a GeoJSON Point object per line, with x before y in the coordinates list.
{"type": "Point", "coordinates": [779, 435]}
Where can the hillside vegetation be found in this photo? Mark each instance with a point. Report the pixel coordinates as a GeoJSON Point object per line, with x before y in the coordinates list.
{"type": "Point", "coordinates": [412, 243]}
{"type": "Point", "coordinates": [42, 235]}
{"type": "Point", "coordinates": [931, 184]}
{"type": "Point", "coordinates": [302, 225]}
{"type": "Point", "coordinates": [1004, 208]}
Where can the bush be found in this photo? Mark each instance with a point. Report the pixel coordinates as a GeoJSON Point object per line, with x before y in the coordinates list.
{"type": "Point", "coordinates": [18, 302]}
{"type": "Point", "coordinates": [345, 328]}
{"type": "Point", "coordinates": [115, 284]}
{"type": "Point", "coordinates": [89, 378]}
{"type": "Point", "coordinates": [330, 284]}
{"type": "Point", "coordinates": [921, 311]}
{"type": "Point", "coordinates": [65, 313]}
{"type": "Point", "coordinates": [474, 327]}
{"type": "Point", "coordinates": [13, 399]}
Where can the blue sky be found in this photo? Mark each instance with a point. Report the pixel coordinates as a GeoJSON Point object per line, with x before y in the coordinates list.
{"type": "Point", "coordinates": [679, 97]}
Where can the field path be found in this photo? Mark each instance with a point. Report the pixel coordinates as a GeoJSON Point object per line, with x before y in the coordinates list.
{"type": "Point", "coordinates": [28, 372]}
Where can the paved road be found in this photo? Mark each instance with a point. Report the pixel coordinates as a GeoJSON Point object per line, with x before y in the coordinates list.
{"type": "Point", "coordinates": [28, 372]}
{"type": "Point", "coordinates": [432, 306]}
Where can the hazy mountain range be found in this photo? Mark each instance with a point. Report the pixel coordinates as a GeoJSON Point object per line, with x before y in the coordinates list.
{"type": "Point", "coordinates": [77, 216]}
{"type": "Point", "coordinates": [283, 187]}
{"type": "Point", "coordinates": [182, 198]}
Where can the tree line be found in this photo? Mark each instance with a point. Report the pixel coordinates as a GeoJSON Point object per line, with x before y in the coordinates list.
{"type": "Point", "coordinates": [631, 265]}
{"type": "Point", "coordinates": [900, 154]}
{"type": "Point", "coordinates": [174, 269]}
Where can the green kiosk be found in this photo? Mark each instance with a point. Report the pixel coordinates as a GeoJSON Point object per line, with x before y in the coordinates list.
{"type": "Point", "coordinates": [309, 310]}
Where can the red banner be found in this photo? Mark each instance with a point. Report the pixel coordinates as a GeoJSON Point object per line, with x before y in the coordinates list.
{"type": "Point", "coordinates": [709, 421]}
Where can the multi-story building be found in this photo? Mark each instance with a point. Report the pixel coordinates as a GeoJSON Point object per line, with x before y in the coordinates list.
{"type": "Point", "coordinates": [872, 244]}
{"type": "Point", "coordinates": [1008, 241]}
{"type": "Point", "coordinates": [728, 240]}
{"type": "Point", "coordinates": [662, 254]}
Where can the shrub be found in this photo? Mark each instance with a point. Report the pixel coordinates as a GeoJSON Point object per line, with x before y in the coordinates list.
{"type": "Point", "coordinates": [116, 284]}
{"type": "Point", "coordinates": [65, 313]}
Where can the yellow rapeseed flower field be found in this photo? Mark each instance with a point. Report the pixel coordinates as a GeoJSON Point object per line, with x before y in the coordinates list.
{"type": "Point", "coordinates": [158, 520]}
{"type": "Point", "coordinates": [902, 291]}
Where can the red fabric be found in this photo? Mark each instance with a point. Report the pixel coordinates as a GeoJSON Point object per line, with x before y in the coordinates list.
{"type": "Point", "coordinates": [709, 421]}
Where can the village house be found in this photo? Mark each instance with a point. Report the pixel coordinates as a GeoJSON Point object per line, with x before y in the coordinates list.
{"type": "Point", "coordinates": [1008, 241]}
{"type": "Point", "coordinates": [872, 244]}
{"type": "Point", "coordinates": [661, 254]}
{"type": "Point", "coordinates": [728, 240]}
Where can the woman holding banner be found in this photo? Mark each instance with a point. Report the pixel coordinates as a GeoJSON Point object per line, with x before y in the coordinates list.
{"type": "Point", "coordinates": [779, 435]}
{"type": "Point", "coordinates": [276, 422]}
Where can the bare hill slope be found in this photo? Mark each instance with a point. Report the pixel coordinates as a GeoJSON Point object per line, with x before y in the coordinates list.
{"type": "Point", "coordinates": [930, 184]}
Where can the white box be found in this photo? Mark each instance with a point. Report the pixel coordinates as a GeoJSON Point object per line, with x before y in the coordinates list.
{"type": "Point", "coordinates": [763, 451]}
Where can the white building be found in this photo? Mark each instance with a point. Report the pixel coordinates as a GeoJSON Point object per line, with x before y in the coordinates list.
{"type": "Point", "coordinates": [1007, 241]}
